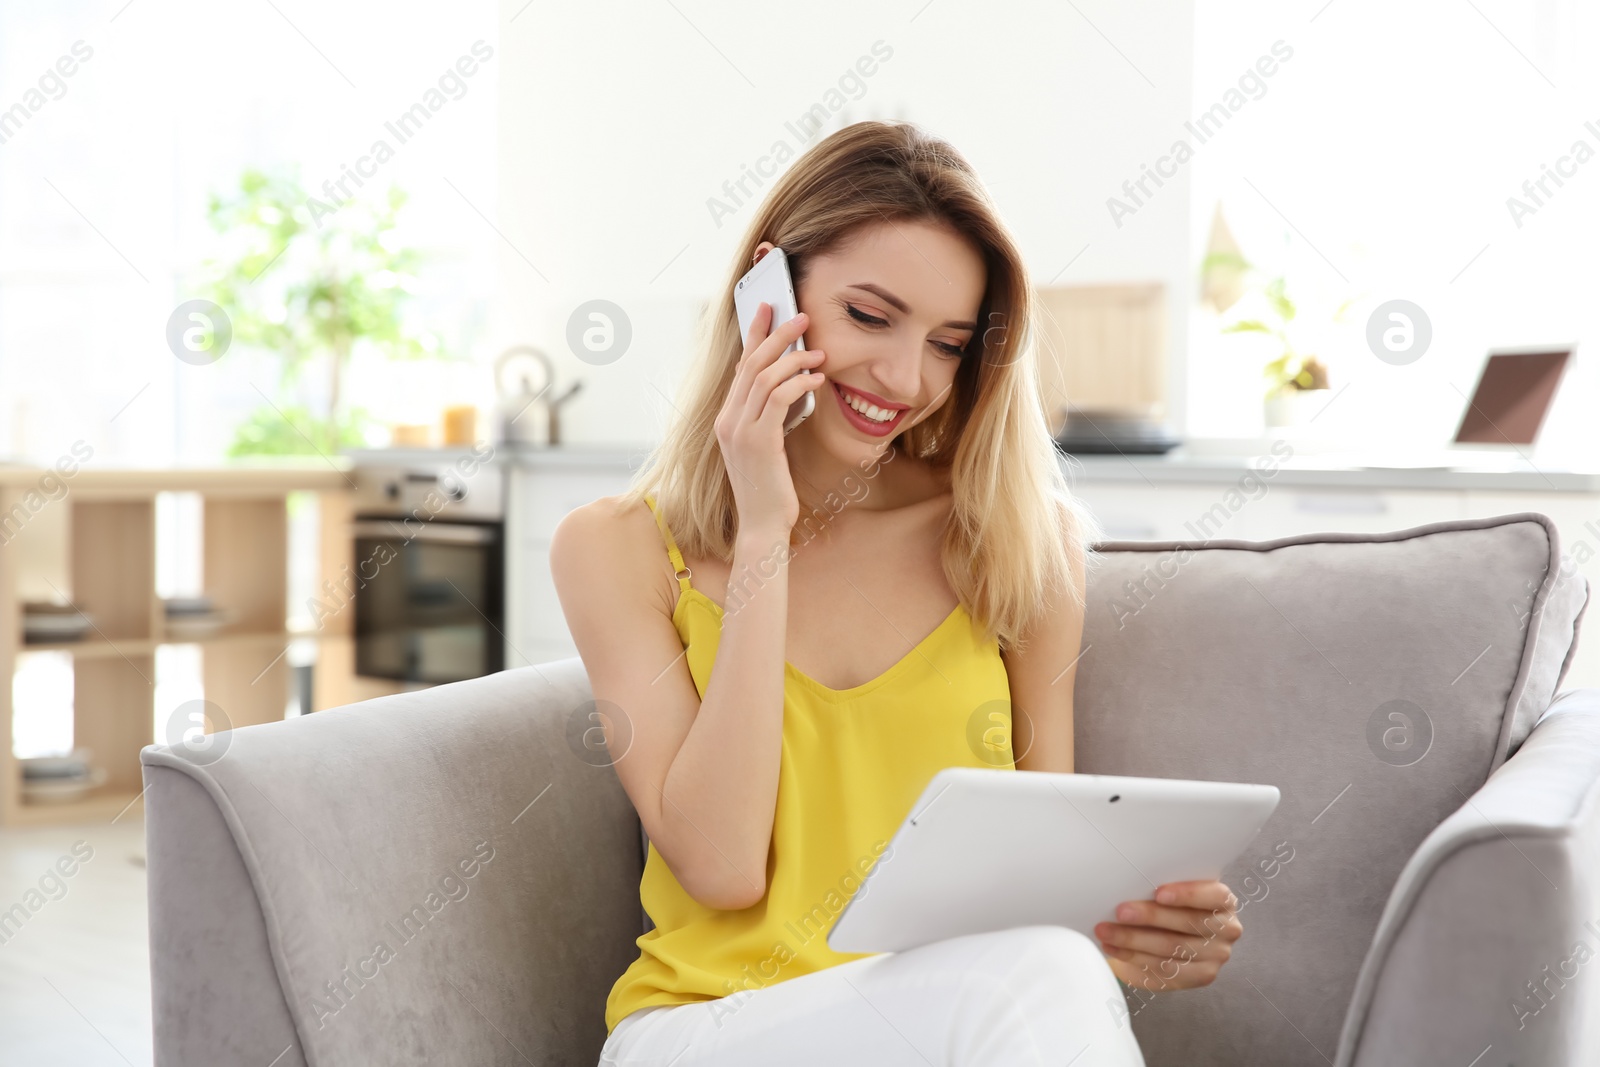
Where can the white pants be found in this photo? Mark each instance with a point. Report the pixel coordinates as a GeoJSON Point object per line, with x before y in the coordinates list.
{"type": "Point", "coordinates": [1019, 997]}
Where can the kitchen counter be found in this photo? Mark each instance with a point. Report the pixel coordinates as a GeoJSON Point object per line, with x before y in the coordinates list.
{"type": "Point", "coordinates": [90, 478]}
{"type": "Point", "coordinates": [1183, 466]}
{"type": "Point", "coordinates": [1199, 491]}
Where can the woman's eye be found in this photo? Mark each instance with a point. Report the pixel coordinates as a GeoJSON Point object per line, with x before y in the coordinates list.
{"type": "Point", "coordinates": [861, 316]}
{"type": "Point", "coordinates": [872, 320]}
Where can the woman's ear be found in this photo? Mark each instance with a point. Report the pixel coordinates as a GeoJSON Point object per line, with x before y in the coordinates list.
{"type": "Point", "coordinates": [762, 249]}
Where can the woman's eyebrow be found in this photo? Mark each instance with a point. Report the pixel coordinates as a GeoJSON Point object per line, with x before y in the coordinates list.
{"type": "Point", "coordinates": [902, 307]}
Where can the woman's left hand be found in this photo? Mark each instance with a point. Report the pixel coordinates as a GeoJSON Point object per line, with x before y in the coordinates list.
{"type": "Point", "coordinates": [1180, 940]}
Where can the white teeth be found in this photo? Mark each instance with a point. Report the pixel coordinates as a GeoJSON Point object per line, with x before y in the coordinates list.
{"type": "Point", "coordinates": [871, 411]}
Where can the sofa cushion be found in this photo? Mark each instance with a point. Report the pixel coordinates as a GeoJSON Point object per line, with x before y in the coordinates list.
{"type": "Point", "coordinates": [1375, 679]}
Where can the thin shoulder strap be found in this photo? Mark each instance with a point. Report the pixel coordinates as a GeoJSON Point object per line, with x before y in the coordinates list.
{"type": "Point", "coordinates": [681, 572]}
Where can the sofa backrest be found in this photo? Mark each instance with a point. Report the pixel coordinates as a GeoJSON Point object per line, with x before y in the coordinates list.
{"type": "Point", "coordinates": [1376, 680]}
{"type": "Point", "coordinates": [474, 833]}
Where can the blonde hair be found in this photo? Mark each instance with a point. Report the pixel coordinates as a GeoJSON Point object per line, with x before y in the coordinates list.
{"type": "Point", "coordinates": [1016, 530]}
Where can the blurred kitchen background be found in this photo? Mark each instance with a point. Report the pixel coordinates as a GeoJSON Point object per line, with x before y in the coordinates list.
{"type": "Point", "coordinates": [591, 156]}
{"type": "Point", "coordinates": [289, 291]}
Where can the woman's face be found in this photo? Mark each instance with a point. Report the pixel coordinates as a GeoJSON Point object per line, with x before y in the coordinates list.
{"type": "Point", "coordinates": [891, 311]}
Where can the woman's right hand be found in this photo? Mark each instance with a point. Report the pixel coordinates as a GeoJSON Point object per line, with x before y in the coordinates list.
{"type": "Point", "coordinates": [749, 427]}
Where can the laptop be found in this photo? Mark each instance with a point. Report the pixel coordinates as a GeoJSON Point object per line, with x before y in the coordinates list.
{"type": "Point", "coordinates": [1502, 419]}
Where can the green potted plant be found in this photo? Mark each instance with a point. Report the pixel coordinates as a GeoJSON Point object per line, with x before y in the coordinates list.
{"type": "Point", "coordinates": [1297, 379]}
{"type": "Point", "coordinates": [313, 293]}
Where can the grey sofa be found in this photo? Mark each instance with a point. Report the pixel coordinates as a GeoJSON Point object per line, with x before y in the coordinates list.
{"type": "Point", "coordinates": [451, 876]}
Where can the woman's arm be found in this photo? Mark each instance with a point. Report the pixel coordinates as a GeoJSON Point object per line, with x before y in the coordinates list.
{"type": "Point", "coordinates": [1042, 676]}
{"type": "Point", "coordinates": [703, 775]}
{"type": "Point", "coordinates": [1180, 942]}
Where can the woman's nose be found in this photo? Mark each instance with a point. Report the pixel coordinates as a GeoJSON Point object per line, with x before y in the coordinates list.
{"type": "Point", "coordinates": [900, 377]}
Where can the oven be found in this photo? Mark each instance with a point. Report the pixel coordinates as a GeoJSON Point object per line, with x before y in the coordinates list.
{"type": "Point", "coordinates": [428, 540]}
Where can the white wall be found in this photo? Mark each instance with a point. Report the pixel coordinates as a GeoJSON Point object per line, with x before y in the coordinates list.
{"type": "Point", "coordinates": [103, 193]}
{"type": "Point", "coordinates": [618, 121]}
{"type": "Point", "coordinates": [1388, 147]}
{"type": "Point", "coordinates": [590, 144]}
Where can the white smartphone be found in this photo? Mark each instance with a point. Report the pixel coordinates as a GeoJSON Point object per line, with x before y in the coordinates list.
{"type": "Point", "coordinates": [769, 282]}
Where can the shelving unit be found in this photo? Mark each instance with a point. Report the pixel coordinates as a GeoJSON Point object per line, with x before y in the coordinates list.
{"type": "Point", "coordinates": [95, 544]}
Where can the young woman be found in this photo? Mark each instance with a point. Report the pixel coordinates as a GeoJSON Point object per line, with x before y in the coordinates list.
{"type": "Point", "coordinates": [794, 633]}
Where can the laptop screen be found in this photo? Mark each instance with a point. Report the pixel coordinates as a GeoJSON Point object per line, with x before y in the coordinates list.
{"type": "Point", "coordinates": [1514, 392]}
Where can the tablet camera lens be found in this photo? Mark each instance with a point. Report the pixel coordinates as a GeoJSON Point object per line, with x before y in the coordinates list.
{"type": "Point", "coordinates": [1116, 797]}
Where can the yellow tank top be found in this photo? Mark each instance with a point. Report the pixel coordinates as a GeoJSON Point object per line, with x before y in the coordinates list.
{"type": "Point", "coordinates": [853, 762]}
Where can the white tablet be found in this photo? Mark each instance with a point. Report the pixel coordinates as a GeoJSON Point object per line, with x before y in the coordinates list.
{"type": "Point", "coordinates": [990, 848]}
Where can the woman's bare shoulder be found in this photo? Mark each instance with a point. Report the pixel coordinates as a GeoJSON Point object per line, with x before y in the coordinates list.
{"type": "Point", "coordinates": [612, 542]}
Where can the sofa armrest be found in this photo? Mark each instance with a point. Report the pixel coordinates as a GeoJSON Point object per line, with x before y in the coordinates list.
{"type": "Point", "coordinates": [432, 877]}
{"type": "Point", "coordinates": [1485, 935]}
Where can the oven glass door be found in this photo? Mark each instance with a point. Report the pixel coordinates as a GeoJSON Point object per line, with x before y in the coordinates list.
{"type": "Point", "coordinates": [428, 600]}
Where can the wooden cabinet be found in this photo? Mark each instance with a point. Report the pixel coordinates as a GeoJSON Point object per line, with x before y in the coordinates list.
{"type": "Point", "coordinates": [91, 540]}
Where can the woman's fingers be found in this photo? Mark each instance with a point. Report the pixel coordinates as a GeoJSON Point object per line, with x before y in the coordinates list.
{"type": "Point", "coordinates": [762, 346]}
{"type": "Point", "coordinates": [764, 353]}
{"type": "Point", "coordinates": [779, 374]}
{"type": "Point", "coordinates": [1155, 973]}
{"type": "Point", "coordinates": [1218, 923]}
{"type": "Point", "coordinates": [739, 392]}
{"type": "Point", "coordinates": [760, 324]}
{"type": "Point", "coordinates": [1180, 942]}
{"type": "Point", "coordinates": [1206, 895]}
{"type": "Point", "coordinates": [1163, 943]}
{"type": "Point", "coordinates": [787, 392]}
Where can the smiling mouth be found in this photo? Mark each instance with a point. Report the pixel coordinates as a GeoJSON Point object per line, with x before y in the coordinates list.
{"type": "Point", "coordinates": [867, 416]}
